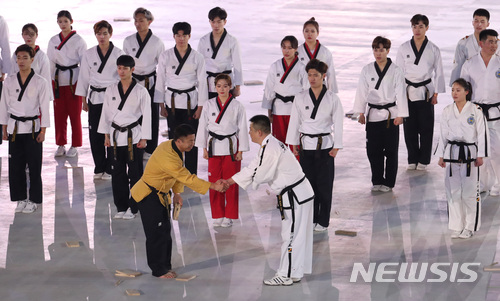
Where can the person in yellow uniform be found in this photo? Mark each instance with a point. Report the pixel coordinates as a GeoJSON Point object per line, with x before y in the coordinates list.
{"type": "Point", "coordinates": [165, 171]}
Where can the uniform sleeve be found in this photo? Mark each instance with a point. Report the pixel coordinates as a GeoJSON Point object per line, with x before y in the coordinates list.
{"type": "Point", "coordinates": [82, 48]}
{"type": "Point", "coordinates": [483, 135]}
{"type": "Point", "coordinates": [52, 58]}
{"type": "Point", "coordinates": [458, 61]}
{"type": "Point", "coordinates": [4, 115]}
{"type": "Point", "coordinates": [237, 66]}
{"type": "Point", "coordinates": [293, 135]}
{"type": "Point", "coordinates": [438, 72]}
{"type": "Point", "coordinates": [444, 129]}
{"type": "Point", "coordinates": [242, 130]}
{"type": "Point", "coordinates": [330, 74]}
{"type": "Point", "coordinates": [44, 97]}
{"type": "Point", "coordinates": [159, 96]}
{"type": "Point", "coordinates": [269, 93]}
{"type": "Point", "coordinates": [361, 94]}
{"type": "Point", "coordinates": [45, 73]}
{"type": "Point", "coordinates": [245, 177]}
{"type": "Point", "coordinates": [401, 99]}
{"type": "Point", "coordinates": [5, 63]}
{"type": "Point", "coordinates": [202, 80]}
{"type": "Point", "coordinates": [82, 86]}
{"type": "Point", "coordinates": [106, 115]}
{"type": "Point", "coordinates": [338, 122]}
{"type": "Point", "coordinates": [202, 133]}
{"type": "Point", "coordinates": [146, 115]}
{"type": "Point", "coordinates": [185, 178]}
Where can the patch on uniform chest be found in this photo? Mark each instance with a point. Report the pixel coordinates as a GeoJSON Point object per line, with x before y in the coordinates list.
{"type": "Point", "coordinates": [277, 75]}
{"type": "Point", "coordinates": [113, 98]}
{"type": "Point", "coordinates": [471, 119]}
{"type": "Point", "coordinates": [497, 74]}
{"type": "Point", "coordinates": [307, 107]}
{"type": "Point", "coordinates": [173, 67]}
{"type": "Point", "coordinates": [407, 56]}
{"type": "Point", "coordinates": [372, 79]}
{"type": "Point", "coordinates": [133, 49]}
{"type": "Point", "coordinates": [17, 90]}
{"type": "Point", "coordinates": [95, 63]}
{"type": "Point", "coordinates": [208, 49]}
{"type": "Point", "coordinates": [213, 113]}
{"type": "Point", "coordinates": [302, 59]}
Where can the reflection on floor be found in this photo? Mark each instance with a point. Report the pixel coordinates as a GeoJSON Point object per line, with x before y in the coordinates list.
{"type": "Point", "coordinates": [408, 225]}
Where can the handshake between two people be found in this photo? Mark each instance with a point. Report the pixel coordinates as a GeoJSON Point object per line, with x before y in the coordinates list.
{"type": "Point", "coordinates": [222, 185]}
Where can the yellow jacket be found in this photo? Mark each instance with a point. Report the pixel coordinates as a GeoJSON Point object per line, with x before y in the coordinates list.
{"type": "Point", "coordinates": [165, 171]}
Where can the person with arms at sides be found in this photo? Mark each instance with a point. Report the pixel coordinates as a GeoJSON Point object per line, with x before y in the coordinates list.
{"type": "Point", "coordinates": [381, 96]}
{"type": "Point", "coordinates": [483, 72]}
{"type": "Point", "coordinates": [65, 52]}
{"type": "Point", "coordinates": [182, 86]}
{"type": "Point", "coordinates": [41, 63]}
{"type": "Point", "coordinates": [25, 97]}
{"type": "Point", "coordinates": [468, 46]}
{"type": "Point", "coordinates": [125, 123]}
{"type": "Point", "coordinates": [146, 48]}
{"type": "Point", "coordinates": [99, 71]}
{"type": "Point", "coordinates": [312, 49]}
{"type": "Point", "coordinates": [222, 133]}
{"type": "Point", "coordinates": [163, 176]}
{"type": "Point", "coordinates": [287, 77]}
{"type": "Point", "coordinates": [221, 51]}
{"type": "Point", "coordinates": [276, 165]}
{"type": "Point", "coordinates": [463, 145]}
{"type": "Point", "coordinates": [316, 124]}
{"type": "Point", "coordinates": [420, 60]}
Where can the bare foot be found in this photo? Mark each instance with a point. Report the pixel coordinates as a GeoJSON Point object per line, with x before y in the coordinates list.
{"type": "Point", "coordinates": [169, 275]}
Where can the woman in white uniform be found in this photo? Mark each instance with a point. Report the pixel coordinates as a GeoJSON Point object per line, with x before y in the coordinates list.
{"type": "Point", "coordinates": [463, 145]}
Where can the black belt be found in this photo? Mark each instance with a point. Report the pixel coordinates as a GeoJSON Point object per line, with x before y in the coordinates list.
{"type": "Point", "coordinates": [214, 74]}
{"type": "Point", "coordinates": [144, 78]}
{"type": "Point", "coordinates": [95, 89]}
{"type": "Point", "coordinates": [56, 78]}
{"type": "Point", "coordinates": [220, 137]}
{"type": "Point", "coordinates": [291, 197]}
{"type": "Point", "coordinates": [23, 119]}
{"type": "Point", "coordinates": [318, 145]}
{"type": "Point", "coordinates": [127, 129]}
{"type": "Point", "coordinates": [381, 107]}
{"type": "Point", "coordinates": [416, 85]}
{"type": "Point", "coordinates": [285, 99]}
{"type": "Point", "coordinates": [172, 99]}
{"type": "Point", "coordinates": [485, 107]}
{"type": "Point", "coordinates": [161, 196]}
{"type": "Point", "coordinates": [461, 155]}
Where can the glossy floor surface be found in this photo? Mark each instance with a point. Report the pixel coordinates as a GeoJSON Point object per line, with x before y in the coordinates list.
{"type": "Point", "coordinates": [407, 225]}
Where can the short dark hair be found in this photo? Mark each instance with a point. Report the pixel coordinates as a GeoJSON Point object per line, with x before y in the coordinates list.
{"type": "Point", "coordinates": [25, 48]}
{"type": "Point", "coordinates": [225, 77]}
{"type": "Point", "coordinates": [103, 24]}
{"type": "Point", "coordinates": [466, 85]}
{"type": "Point", "coordinates": [418, 17]}
{"type": "Point", "coordinates": [293, 40]}
{"type": "Point", "coordinates": [125, 60]}
{"type": "Point", "coordinates": [317, 65]}
{"type": "Point", "coordinates": [261, 123]}
{"type": "Point", "coordinates": [481, 12]}
{"type": "Point", "coordinates": [217, 12]}
{"type": "Point", "coordinates": [183, 130]}
{"type": "Point", "coordinates": [184, 26]}
{"type": "Point", "coordinates": [28, 26]}
{"type": "Point", "coordinates": [483, 35]}
{"type": "Point", "coordinates": [312, 22]}
{"type": "Point", "coordinates": [386, 43]}
{"type": "Point", "coordinates": [64, 13]}
{"type": "Point", "coordinates": [147, 14]}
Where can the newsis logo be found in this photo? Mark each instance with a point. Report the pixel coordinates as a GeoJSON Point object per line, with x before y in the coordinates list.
{"type": "Point", "coordinates": [415, 272]}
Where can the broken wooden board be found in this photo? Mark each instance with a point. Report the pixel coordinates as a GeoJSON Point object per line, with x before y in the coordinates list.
{"type": "Point", "coordinates": [346, 233]}
{"type": "Point", "coordinates": [73, 244]}
{"type": "Point", "coordinates": [127, 273]}
{"type": "Point", "coordinates": [177, 210]}
{"type": "Point", "coordinates": [185, 278]}
{"type": "Point", "coordinates": [492, 268]}
{"type": "Point", "coordinates": [133, 292]}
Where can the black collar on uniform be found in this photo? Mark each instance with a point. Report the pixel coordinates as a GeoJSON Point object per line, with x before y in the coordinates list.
{"type": "Point", "coordinates": [104, 59]}
{"type": "Point", "coordinates": [215, 48]}
{"type": "Point", "coordinates": [382, 73]}
{"type": "Point", "coordinates": [124, 96]}
{"type": "Point", "coordinates": [418, 54]}
{"type": "Point", "coordinates": [181, 60]}
{"type": "Point", "coordinates": [142, 44]}
{"type": "Point", "coordinates": [23, 87]}
{"type": "Point", "coordinates": [176, 149]}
